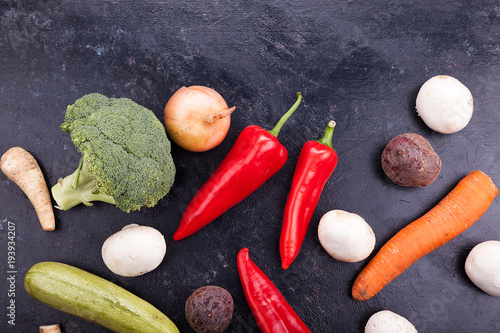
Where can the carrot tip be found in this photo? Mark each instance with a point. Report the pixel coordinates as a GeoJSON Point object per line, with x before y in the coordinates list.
{"type": "Point", "coordinates": [360, 296]}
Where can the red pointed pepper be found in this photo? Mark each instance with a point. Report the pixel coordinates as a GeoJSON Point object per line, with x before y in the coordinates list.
{"type": "Point", "coordinates": [255, 157]}
{"type": "Point", "coordinates": [316, 163]}
{"type": "Point", "coordinates": [270, 309]}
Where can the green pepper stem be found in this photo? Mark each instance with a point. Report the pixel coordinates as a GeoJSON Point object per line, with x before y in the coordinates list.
{"type": "Point", "coordinates": [327, 136]}
{"type": "Point", "coordinates": [276, 130]}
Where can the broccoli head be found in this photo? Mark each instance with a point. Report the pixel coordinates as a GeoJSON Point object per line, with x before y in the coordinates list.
{"type": "Point", "coordinates": [126, 159]}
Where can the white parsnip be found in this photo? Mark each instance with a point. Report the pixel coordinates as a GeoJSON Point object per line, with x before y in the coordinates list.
{"type": "Point", "coordinates": [22, 168]}
{"type": "Point", "coordinates": [50, 329]}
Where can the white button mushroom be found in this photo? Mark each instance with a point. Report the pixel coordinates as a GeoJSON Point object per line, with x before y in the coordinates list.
{"type": "Point", "coordinates": [444, 104]}
{"type": "Point", "coordinates": [483, 267]}
{"type": "Point", "coordinates": [346, 236]}
{"type": "Point", "coordinates": [386, 321]}
{"type": "Point", "coordinates": [134, 250]}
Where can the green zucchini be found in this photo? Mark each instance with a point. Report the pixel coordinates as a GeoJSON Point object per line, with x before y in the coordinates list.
{"type": "Point", "coordinates": [93, 298]}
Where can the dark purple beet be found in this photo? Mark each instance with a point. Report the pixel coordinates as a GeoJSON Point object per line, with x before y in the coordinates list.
{"type": "Point", "coordinates": [409, 160]}
{"type": "Point", "coordinates": [209, 309]}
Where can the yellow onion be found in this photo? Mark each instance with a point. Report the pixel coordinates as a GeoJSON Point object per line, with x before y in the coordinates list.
{"type": "Point", "coordinates": [197, 118]}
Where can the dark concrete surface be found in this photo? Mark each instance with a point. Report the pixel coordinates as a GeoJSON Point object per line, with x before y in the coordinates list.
{"type": "Point", "coordinates": [359, 63]}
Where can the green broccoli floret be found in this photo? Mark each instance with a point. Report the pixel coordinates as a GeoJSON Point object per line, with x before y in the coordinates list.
{"type": "Point", "coordinates": [125, 160]}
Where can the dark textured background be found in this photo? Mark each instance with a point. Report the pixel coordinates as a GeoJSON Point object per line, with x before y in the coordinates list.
{"type": "Point", "coordinates": [360, 63]}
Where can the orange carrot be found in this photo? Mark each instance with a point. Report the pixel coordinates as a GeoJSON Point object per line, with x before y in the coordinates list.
{"type": "Point", "coordinates": [463, 206]}
{"type": "Point", "coordinates": [22, 168]}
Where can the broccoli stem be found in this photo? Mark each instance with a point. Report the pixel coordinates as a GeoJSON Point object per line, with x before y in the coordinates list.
{"type": "Point", "coordinates": [77, 188]}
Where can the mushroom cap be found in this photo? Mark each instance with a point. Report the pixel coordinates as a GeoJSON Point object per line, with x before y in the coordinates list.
{"type": "Point", "coordinates": [483, 267]}
{"type": "Point", "coordinates": [134, 250]}
{"type": "Point", "coordinates": [445, 104]}
{"type": "Point", "coordinates": [388, 321]}
{"type": "Point", "coordinates": [346, 236]}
